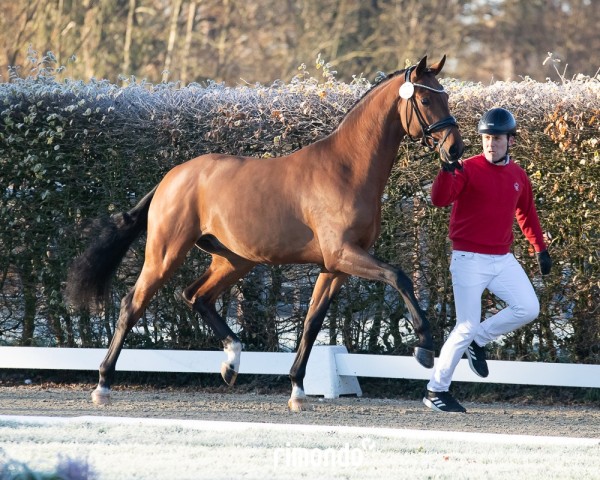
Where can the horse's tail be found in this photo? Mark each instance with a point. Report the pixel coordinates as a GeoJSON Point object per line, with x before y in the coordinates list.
{"type": "Point", "coordinates": [90, 273]}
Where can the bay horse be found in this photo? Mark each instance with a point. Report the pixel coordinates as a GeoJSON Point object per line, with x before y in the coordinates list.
{"type": "Point", "coordinates": [320, 204]}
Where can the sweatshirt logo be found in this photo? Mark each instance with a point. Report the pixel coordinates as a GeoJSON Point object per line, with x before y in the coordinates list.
{"type": "Point", "coordinates": [516, 185]}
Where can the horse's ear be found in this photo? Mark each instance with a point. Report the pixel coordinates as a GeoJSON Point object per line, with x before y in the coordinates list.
{"type": "Point", "coordinates": [421, 67]}
{"type": "Point", "coordinates": [437, 67]}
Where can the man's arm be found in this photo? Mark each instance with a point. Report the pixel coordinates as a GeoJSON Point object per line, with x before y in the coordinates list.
{"type": "Point", "coordinates": [529, 222]}
{"type": "Point", "coordinates": [447, 186]}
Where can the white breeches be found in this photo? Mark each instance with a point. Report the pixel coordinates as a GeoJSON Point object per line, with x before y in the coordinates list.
{"type": "Point", "coordinates": [472, 273]}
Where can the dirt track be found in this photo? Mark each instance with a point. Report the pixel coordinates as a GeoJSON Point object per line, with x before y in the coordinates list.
{"type": "Point", "coordinates": [250, 407]}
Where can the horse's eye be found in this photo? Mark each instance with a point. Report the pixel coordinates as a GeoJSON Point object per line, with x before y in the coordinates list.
{"type": "Point", "coordinates": [425, 101]}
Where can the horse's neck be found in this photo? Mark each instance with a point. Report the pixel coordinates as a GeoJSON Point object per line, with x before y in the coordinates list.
{"type": "Point", "coordinates": [368, 139]}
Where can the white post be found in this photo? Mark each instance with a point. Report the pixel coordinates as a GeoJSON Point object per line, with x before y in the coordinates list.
{"type": "Point", "coordinates": [322, 377]}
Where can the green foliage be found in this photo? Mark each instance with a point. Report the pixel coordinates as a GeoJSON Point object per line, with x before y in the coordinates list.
{"type": "Point", "coordinates": [71, 151]}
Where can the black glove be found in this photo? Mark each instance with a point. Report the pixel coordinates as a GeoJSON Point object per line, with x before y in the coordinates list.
{"type": "Point", "coordinates": [451, 166]}
{"type": "Point", "coordinates": [544, 261]}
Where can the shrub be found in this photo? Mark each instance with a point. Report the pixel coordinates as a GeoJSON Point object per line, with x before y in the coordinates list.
{"type": "Point", "coordinates": [71, 151]}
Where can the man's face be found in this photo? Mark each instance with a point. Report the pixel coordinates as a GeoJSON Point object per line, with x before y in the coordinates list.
{"type": "Point", "coordinates": [494, 146]}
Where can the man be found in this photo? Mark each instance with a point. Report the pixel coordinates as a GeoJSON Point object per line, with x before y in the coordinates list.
{"type": "Point", "coordinates": [487, 192]}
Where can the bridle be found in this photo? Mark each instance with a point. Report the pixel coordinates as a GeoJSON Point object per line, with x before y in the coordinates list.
{"type": "Point", "coordinates": [427, 138]}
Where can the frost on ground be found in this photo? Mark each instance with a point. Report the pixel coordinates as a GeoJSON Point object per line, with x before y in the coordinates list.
{"type": "Point", "coordinates": [172, 433]}
{"type": "Point", "coordinates": [153, 448]}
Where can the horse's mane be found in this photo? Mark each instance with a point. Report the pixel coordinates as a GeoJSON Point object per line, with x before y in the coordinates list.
{"type": "Point", "coordinates": [378, 82]}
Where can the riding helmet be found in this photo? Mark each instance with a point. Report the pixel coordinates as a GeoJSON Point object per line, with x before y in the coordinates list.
{"type": "Point", "coordinates": [497, 121]}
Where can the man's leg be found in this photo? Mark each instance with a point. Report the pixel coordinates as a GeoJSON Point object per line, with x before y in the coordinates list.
{"type": "Point", "coordinates": [511, 285]}
{"type": "Point", "coordinates": [470, 276]}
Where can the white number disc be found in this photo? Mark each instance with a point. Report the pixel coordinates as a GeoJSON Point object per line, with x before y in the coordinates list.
{"type": "Point", "coordinates": [406, 90]}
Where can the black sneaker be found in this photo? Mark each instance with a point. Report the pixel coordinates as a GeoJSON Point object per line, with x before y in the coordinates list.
{"type": "Point", "coordinates": [443, 402]}
{"type": "Point", "coordinates": [476, 356]}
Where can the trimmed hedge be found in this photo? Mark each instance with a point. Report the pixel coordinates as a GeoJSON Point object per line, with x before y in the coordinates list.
{"type": "Point", "coordinates": [71, 151]}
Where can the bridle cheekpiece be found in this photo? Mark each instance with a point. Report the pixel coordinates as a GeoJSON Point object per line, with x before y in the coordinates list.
{"type": "Point", "coordinates": [407, 90]}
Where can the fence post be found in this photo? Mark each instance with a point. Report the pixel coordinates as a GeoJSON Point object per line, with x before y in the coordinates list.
{"type": "Point", "coordinates": [322, 377]}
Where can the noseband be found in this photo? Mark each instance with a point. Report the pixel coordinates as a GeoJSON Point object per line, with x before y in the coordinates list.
{"type": "Point", "coordinates": [427, 139]}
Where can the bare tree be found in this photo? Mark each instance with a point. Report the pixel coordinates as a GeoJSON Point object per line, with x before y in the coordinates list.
{"type": "Point", "coordinates": [262, 41]}
{"type": "Point", "coordinates": [176, 8]}
{"type": "Point", "coordinates": [19, 23]}
{"type": "Point", "coordinates": [512, 38]}
{"type": "Point", "coordinates": [128, 34]}
{"type": "Point", "coordinates": [189, 28]}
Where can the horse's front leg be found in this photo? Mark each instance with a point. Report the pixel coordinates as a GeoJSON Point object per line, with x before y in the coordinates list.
{"type": "Point", "coordinates": [423, 352]}
{"type": "Point", "coordinates": [326, 287]}
{"type": "Point", "coordinates": [358, 262]}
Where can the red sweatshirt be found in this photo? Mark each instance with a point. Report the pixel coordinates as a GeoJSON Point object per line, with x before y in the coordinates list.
{"type": "Point", "coordinates": [486, 198]}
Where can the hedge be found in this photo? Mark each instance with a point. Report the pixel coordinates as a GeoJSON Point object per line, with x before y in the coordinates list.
{"type": "Point", "coordinates": [71, 151]}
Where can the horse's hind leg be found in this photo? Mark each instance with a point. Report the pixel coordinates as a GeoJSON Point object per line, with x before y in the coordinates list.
{"type": "Point", "coordinates": [327, 285]}
{"type": "Point", "coordinates": [128, 316]}
{"type": "Point", "coordinates": [202, 296]}
{"type": "Point", "coordinates": [157, 269]}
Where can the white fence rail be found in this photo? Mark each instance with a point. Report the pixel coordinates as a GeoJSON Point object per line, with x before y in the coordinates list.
{"type": "Point", "coordinates": [331, 370]}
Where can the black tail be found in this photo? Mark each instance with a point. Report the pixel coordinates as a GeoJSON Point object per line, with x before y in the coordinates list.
{"type": "Point", "coordinates": [90, 273]}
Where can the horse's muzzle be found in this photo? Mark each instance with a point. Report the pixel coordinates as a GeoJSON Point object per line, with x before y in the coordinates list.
{"type": "Point", "coordinates": [453, 153]}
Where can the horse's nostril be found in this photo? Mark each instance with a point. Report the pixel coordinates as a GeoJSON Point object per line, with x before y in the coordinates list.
{"type": "Point", "coordinates": [455, 151]}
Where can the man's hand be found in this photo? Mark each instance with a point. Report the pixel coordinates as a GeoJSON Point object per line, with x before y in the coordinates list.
{"type": "Point", "coordinates": [451, 166]}
{"type": "Point", "coordinates": [544, 261]}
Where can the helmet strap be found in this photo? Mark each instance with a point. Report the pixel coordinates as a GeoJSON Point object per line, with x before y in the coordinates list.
{"type": "Point", "coordinates": [504, 160]}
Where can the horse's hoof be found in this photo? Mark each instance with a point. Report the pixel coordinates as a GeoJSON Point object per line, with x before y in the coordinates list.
{"type": "Point", "coordinates": [298, 405]}
{"type": "Point", "coordinates": [101, 397]}
{"type": "Point", "coordinates": [229, 374]}
{"type": "Point", "coordinates": [424, 357]}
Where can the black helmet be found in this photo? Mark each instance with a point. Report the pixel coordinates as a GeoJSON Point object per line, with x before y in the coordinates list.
{"type": "Point", "coordinates": [497, 121]}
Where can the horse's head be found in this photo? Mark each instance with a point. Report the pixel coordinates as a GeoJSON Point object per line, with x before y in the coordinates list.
{"type": "Point", "coordinates": [424, 110]}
